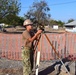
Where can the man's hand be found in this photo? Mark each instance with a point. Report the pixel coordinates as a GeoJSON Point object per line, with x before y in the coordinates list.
{"type": "Point", "coordinates": [35, 36]}
{"type": "Point", "coordinates": [39, 31]}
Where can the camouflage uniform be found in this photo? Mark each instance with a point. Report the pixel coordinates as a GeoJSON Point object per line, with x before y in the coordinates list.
{"type": "Point", "coordinates": [26, 61]}
{"type": "Point", "coordinates": [27, 54]}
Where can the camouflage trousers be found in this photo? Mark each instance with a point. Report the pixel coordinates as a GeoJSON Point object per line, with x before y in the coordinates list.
{"type": "Point", "coordinates": [26, 59]}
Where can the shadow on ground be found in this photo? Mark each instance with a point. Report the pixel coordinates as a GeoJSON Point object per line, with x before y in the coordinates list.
{"type": "Point", "coordinates": [51, 68]}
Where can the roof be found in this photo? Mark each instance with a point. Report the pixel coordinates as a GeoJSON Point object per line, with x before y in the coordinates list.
{"type": "Point", "coordinates": [71, 23]}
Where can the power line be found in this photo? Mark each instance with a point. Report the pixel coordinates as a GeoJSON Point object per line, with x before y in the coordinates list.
{"type": "Point", "coordinates": [58, 3]}
{"type": "Point", "coordinates": [63, 3]}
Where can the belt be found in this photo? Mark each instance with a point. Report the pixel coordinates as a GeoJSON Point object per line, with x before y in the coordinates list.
{"type": "Point", "coordinates": [25, 47]}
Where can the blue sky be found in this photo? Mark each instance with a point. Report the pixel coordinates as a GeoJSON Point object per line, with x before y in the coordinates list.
{"type": "Point", "coordinates": [60, 9]}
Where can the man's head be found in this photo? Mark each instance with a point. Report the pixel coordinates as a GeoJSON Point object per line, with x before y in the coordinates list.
{"type": "Point", "coordinates": [28, 24]}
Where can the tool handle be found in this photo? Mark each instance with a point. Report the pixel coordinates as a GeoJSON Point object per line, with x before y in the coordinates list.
{"type": "Point", "coordinates": [52, 45]}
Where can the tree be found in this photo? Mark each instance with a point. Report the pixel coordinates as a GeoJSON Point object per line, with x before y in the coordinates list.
{"type": "Point", "coordinates": [70, 20]}
{"type": "Point", "coordinates": [8, 7]}
{"type": "Point", "coordinates": [39, 13]}
{"type": "Point", "coordinates": [13, 20]}
{"type": "Point", "coordinates": [53, 22]}
{"type": "Point", "coordinates": [59, 23]}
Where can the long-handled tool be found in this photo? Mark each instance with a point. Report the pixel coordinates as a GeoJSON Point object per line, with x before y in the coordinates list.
{"type": "Point", "coordinates": [37, 57]}
{"type": "Point", "coordinates": [37, 62]}
{"type": "Point", "coordinates": [56, 53]}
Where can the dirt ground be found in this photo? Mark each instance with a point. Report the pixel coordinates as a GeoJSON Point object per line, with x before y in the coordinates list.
{"type": "Point", "coordinates": [52, 67]}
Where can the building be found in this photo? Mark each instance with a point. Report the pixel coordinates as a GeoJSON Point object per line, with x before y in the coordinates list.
{"type": "Point", "coordinates": [55, 26]}
{"type": "Point", "coordinates": [71, 26]}
{"type": "Point", "coordinates": [2, 24]}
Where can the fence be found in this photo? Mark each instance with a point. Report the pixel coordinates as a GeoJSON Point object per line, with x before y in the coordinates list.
{"type": "Point", "coordinates": [64, 43]}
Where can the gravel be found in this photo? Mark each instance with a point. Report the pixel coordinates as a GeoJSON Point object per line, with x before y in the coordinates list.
{"type": "Point", "coordinates": [52, 67]}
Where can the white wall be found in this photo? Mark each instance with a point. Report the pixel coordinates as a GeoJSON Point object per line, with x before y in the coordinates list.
{"type": "Point", "coordinates": [55, 26]}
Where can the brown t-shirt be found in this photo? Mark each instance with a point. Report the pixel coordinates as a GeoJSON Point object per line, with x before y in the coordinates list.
{"type": "Point", "coordinates": [26, 35]}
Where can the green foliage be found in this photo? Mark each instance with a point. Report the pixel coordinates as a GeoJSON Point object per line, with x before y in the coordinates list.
{"type": "Point", "coordinates": [59, 23]}
{"type": "Point", "coordinates": [70, 20]}
{"type": "Point", "coordinates": [39, 13]}
{"type": "Point", "coordinates": [9, 7]}
{"type": "Point", "coordinates": [9, 10]}
{"type": "Point", "coordinates": [13, 20]}
{"type": "Point", "coordinates": [53, 22]}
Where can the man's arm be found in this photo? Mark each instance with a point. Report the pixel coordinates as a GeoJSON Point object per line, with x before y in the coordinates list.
{"type": "Point", "coordinates": [35, 36]}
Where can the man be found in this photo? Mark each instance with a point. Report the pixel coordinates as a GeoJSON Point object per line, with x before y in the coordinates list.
{"type": "Point", "coordinates": [27, 52]}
